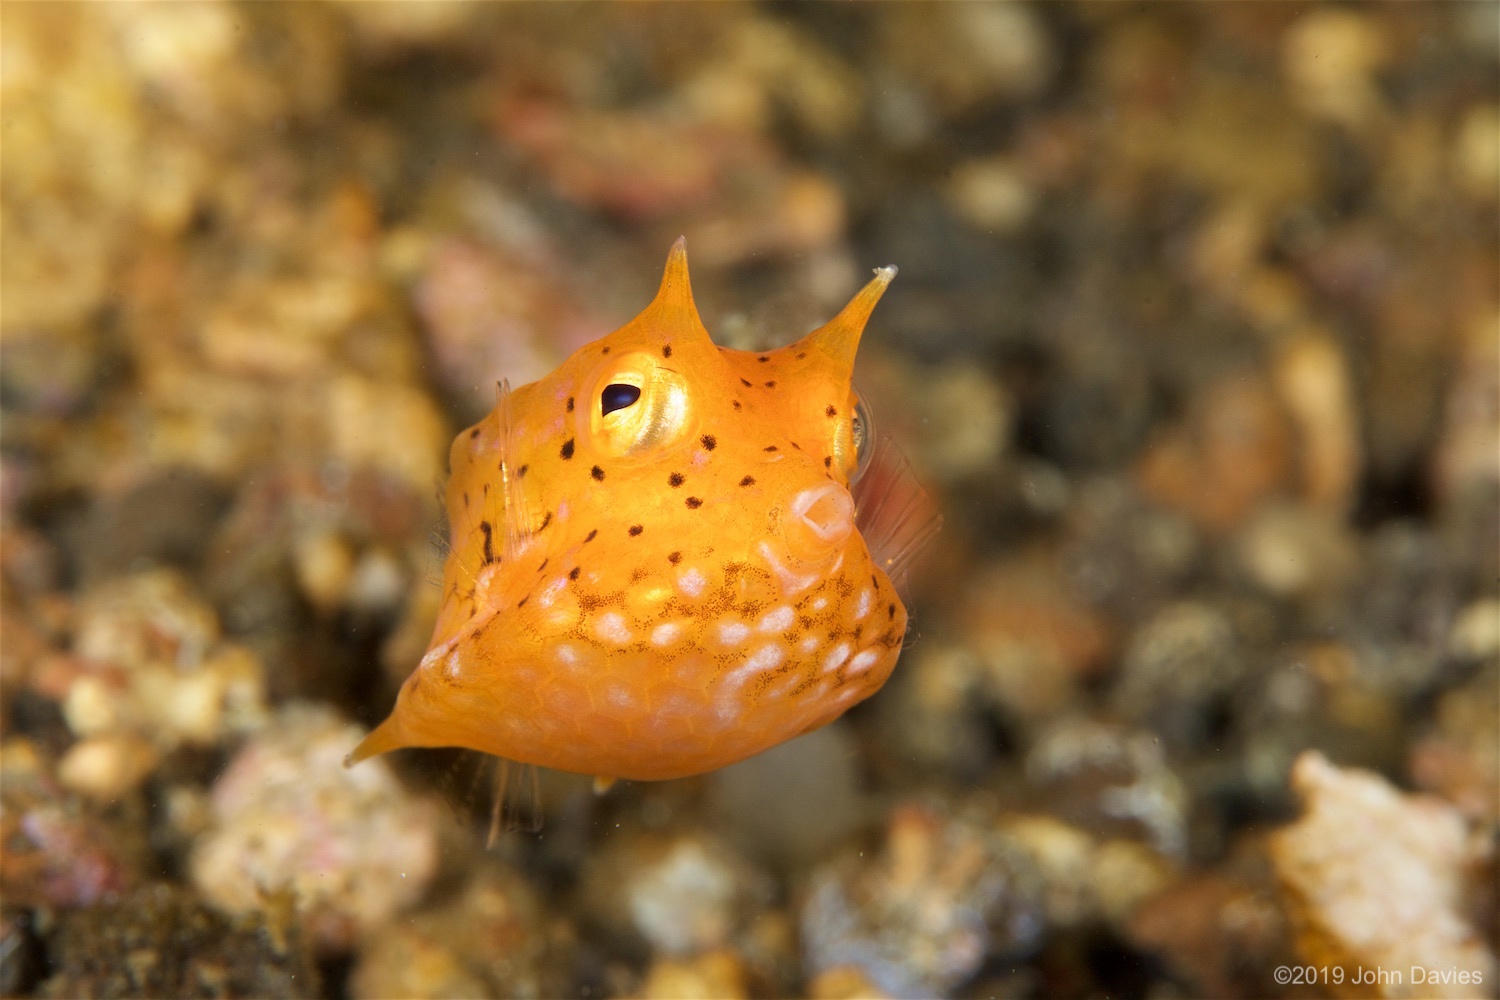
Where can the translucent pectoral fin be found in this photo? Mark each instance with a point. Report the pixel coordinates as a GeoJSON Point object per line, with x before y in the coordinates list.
{"type": "Point", "coordinates": [897, 517]}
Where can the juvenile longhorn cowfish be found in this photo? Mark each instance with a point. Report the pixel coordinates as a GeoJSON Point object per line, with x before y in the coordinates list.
{"type": "Point", "coordinates": [658, 566]}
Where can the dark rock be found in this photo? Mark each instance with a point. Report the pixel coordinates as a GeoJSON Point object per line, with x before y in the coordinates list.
{"type": "Point", "coordinates": [162, 941]}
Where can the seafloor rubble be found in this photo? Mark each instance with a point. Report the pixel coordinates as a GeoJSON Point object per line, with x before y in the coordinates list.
{"type": "Point", "coordinates": [1196, 339]}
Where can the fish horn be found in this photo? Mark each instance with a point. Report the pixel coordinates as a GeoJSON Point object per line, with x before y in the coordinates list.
{"type": "Point", "coordinates": [839, 337]}
{"type": "Point", "coordinates": [383, 739]}
{"type": "Point", "coordinates": [673, 308]}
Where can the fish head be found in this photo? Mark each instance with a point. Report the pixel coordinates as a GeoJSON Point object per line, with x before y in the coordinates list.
{"type": "Point", "coordinates": [656, 567]}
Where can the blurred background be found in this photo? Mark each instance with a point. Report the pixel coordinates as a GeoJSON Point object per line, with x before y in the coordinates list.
{"type": "Point", "coordinates": [1194, 339]}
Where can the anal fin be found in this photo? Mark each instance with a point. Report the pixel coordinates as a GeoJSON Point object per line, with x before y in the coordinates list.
{"type": "Point", "coordinates": [516, 800]}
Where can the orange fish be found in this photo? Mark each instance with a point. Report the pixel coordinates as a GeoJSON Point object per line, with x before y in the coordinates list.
{"type": "Point", "coordinates": [658, 566]}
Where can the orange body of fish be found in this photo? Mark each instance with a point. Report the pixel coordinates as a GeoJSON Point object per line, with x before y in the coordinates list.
{"type": "Point", "coordinates": [658, 566]}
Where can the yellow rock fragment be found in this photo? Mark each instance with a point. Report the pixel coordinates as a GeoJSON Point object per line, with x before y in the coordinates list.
{"type": "Point", "coordinates": [1372, 880]}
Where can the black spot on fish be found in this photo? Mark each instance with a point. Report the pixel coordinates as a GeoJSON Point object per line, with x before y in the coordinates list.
{"type": "Point", "coordinates": [746, 383]}
{"type": "Point", "coordinates": [591, 536]}
{"type": "Point", "coordinates": [604, 350]}
{"type": "Point", "coordinates": [573, 573]}
{"type": "Point", "coordinates": [597, 473]}
{"type": "Point", "coordinates": [764, 357]}
{"type": "Point", "coordinates": [666, 350]}
{"type": "Point", "coordinates": [831, 412]}
{"type": "Point", "coordinates": [769, 447]}
{"type": "Point", "coordinates": [771, 384]}
{"type": "Point", "coordinates": [693, 503]}
{"type": "Point", "coordinates": [636, 529]}
{"type": "Point", "coordinates": [748, 481]}
{"type": "Point", "coordinates": [567, 449]}
{"type": "Point", "coordinates": [890, 611]}
{"type": "Point", "coordinates": [801, 355]}
{"type": "Point", "coordinates": [546, 520]}
{"type": "Point", "coordinates": [674, 480]}
{"type": "Point", "coordinates": [522, 602]}
{"type": "Point", "coordinates": [570, 404]}
{"type": "Point", "coordinates": [709, 442]}
{"type": "Point", "coordinates": [674, 558]}
{"type": "Point", "coordinates": [489, 542]}
{"type": "Point", "coordinates": [735, 403]}
{"type": "Point", "coordinates": [474, 434]}
{"type": "Point", "coordinates": [828, 461]}
{"type": "Point", "coordinates": [521, 472]}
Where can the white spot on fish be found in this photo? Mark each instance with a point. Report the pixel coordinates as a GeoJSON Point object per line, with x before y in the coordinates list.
{"type": "Point", "coordinates": [454, 665]}
{"type": "Point", "coordinates": [820, 604]}
{"type": "Point", "coordinates": [765, 658]}
{"type": "Point", "coordinates": [611, 625]}
{"type": "Point", "coordinates": [549, 594]}
{"type": "Point", "coordinates": [836, 658]}
{"type": "Point", "coordinates": [863, 608]}
{"type": "Point", "coordinates": [732, 633]}
{"type": "Point", "coordinates": [674, 705]}
{"type": "Point", "coordinates": [779, 620]}
{"type": "Point", "coordinates": [691, 582]}
{"type": "Point", "coordinates": [618, 695]}
{"type": "Point", "coordinates": [808, 644]}
{"type": "Point", "coordinates": [665, 634]}
{"type": "Point", "coordinates": [567, 654]}
{"type": "Point", "coordinates": [862, 662]}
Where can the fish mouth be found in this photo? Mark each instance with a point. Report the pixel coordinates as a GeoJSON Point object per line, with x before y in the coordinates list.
{"type": "Point", "coordinates": [826, 511]}
{"type": "Point", "coordinates": [818, 520]}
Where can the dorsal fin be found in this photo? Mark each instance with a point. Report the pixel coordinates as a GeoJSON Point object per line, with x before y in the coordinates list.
{"type": "Point", "coordinates": [895, 515]}
{"type": "Point", "coordinates": [517, 524]}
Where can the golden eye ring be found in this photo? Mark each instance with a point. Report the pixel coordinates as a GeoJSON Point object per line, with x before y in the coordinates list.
{"type": "Point", "coordinates": [862, 434]}
{"type": "Point", "coordinates": [637, 406]}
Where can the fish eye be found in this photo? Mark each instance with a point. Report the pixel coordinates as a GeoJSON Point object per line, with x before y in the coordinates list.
{"type": "Point", "coordinates": [643, 406]}
{"type": "Point", "coordinates": [862, 430]}
{"type": "Point", "coordinates": [617, 396]}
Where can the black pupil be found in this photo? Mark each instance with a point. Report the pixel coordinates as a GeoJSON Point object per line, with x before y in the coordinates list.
{"type": "Point", "coordinates": [617, 396]}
